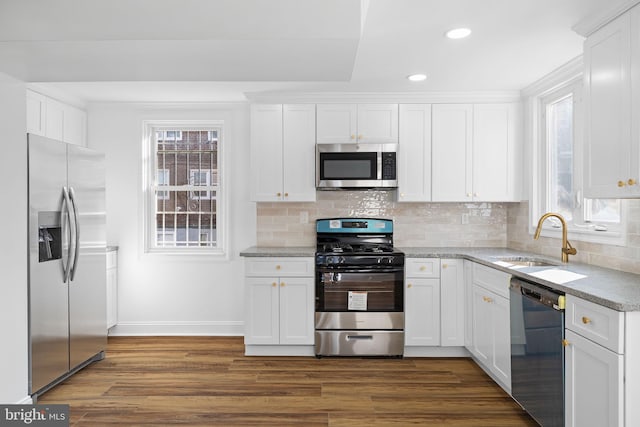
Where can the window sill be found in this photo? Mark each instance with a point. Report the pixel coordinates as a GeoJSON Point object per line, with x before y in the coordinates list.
{"type": "Point", "coordinates": [617, 238]}
{"type": "Point", "coordinates": [194, 253]}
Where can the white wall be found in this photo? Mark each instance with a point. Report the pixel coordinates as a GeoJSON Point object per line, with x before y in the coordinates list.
{"type": "Point", "coordinates": [14, 355]}
{"type": "Point", "coordinates": [164, 294]}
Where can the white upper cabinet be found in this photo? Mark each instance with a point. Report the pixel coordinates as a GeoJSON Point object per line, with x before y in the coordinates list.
{"type": "Point", "coordinates": [56, 120]}
{"type": "Point", "coordinates": [357, 123]}
{"type": "Point", "coordinates": [414, 154]}
{"type": "Point", "coordinates": [475, 151]}
{"type": "Point", "coordinates": [451, 144]}
{"type": "Point", "coordinates": [282, 152]}
{"type": "Point", "coordinates": [612, 98]}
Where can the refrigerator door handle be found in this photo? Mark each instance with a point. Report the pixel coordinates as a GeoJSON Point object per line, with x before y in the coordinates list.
{"type": "Point", "coordinates": [76, 226]}
{"type": "Point", "coordinates": [65, 216]}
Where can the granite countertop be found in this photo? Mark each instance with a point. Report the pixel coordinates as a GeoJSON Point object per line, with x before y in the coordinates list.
{"type": "Point", "coordinates": [611, 288]}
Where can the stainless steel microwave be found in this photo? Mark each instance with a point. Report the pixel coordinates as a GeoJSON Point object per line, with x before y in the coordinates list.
{"type": "Point", "coordinates": [356, 166]}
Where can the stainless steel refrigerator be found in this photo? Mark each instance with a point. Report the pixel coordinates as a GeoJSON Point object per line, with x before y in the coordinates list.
{"type": "Point", "coordinates": [67, 260]}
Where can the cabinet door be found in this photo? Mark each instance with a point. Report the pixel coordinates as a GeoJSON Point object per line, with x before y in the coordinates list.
{"type": "Point", "coordinates": [608, 139]}
{"type": "Point", "coordinates": [299, 140]}
{"type": "Point", "coordinates": [452, 303]}
{"type": "Point", "coordinates": [414, 154]}
{"type": "Point", "coordinates": [422, 312]}
{"type": "Point", "coordinates": [378, 123]}
{"type": "Point", "coordinates": [74, 126]}
{"type": "Point", "coordinates": [297, 297]}
{"type": "Point", "coordinates": [36, 113]}
{"type": "Point", "coordinates": [594, 380]}
{"type": "Point", "coordinates": [495, 152]}
{"type": "Point", "coordinates": [500, 322]}
{"type": "Point", "coordinates": [482, 347]}
{"type": "Point", "coordinates": [336, 123]}
{"type": "Point", "coordinates": [54, 118]}
{"type": "Point", "coordinates": [468, 302]}
{"type": "Point", "coordinates": [266, 153]}
{"type": "Point", "coordinates": [261, 311]}
{"type": "Point", "coordinates": [451, 147]}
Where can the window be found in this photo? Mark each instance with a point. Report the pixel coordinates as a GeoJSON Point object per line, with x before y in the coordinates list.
{"type": "Point", "coordinates": [559, 187]}
{"type": "Point", "coordinates": [183, 204]}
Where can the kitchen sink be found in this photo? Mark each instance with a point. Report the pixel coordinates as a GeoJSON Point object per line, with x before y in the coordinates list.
{"type": "Point", "coordinates": [527, 262]}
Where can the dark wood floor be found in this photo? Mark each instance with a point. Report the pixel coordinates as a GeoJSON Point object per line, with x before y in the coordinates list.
{"type": "Point", "coordinates": [208, 381]}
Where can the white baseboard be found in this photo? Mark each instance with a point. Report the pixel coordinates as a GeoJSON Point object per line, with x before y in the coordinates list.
{"type": "Point", "coordinates": [213, 328]}
{"type": "Point", "coordinates": [410, 351]}
{"type": "Point", "coordinates": [279, 350]}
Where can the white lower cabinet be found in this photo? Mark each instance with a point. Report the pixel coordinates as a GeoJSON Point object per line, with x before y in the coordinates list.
{"type": "Point", "coordinates": [594, 364]}
{"type": "Point", "coordinates": [112, 288]}
{"type": "Point", "coordinates": [434, 303]}
{"type": "Point", "coordinates": [594, 378]}
{"type": "Point", "coordinates": [490, 311]}
{"type": "Point", "coordinates": [279, 303]}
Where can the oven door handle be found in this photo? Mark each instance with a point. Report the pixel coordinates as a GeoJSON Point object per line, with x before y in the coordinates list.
{"type": "Point", "coordinates": [360, 270]}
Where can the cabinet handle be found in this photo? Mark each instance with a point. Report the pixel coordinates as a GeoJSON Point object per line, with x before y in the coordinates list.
{"type": "Point", "coordinates": [278, 267]}
{"type": "Point", "coordinates": [274, 284]}
{"type": "Point", "coordinates": [487, 299]}
{"type": "Point", "coordinates": [282, 284]}
{"type": "Point", "coordinates": [621, 184]}
{"type": "Point", "coordinates": [631, 181]}
{"type": "Point", "coordinates": [565, 343]}
{"type": "Point", "coordinates": [409, 285]}
{"type": "Point", "coordinates": [586, 320]}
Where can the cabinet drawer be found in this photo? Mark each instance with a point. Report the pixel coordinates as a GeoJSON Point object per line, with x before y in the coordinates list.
{"type": "Point", "coordinates": [281, 267]}
{"type": "Point", "coordinates": [600, 324]}
{"type": "Point", "coordinates": [491, 279]}
{"type": "Point", "coordinates": [422, 267]}
{"type": "Point", "coordinates": [112, 259]}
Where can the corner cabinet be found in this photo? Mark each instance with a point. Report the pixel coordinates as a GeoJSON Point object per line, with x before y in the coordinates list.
{"type": "Point", "coordinates": [357, 123]}
{"type": "Point", "coordinates": [279, 306]}
{"type": "Point", "coordinates": [283, 153]}
{"type": "Point", "coordinates": [612, 101]}
{"type": "Point", "coordinates": [476, 151]}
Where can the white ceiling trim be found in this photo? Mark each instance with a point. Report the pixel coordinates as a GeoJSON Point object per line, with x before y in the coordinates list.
{"type": "Point", "coordinates": [387, 97]}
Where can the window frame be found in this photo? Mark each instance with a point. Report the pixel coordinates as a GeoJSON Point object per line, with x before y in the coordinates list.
{"type": "Point", "coordinates": [580, 229]}
{"type": "Point", "coordinates": [150, 186]}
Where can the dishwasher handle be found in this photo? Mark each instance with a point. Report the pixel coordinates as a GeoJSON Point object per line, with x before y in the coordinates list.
{"type": "Point", "coordinates": [543, 295]}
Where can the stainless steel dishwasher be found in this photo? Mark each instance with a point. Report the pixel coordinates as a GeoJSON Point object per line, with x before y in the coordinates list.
{"type": "Point", "coordinates": [537, 352]}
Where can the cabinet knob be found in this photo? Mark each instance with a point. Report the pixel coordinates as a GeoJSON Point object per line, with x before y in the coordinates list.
{"type": "Point", "coordinates": [409, 285]}
{"type": "Point", "coordinates": [286, 194]}
{"type": "Point", "coordinates": [444, 265]}
{"type": "Point", "coordinates": [468, 194]}
{"type": "Point", "coordinates": [565, 343]}
{"type": "Point", "coordinates": [632, 181]}
{"type": "Point", "coordinates": [621, 184]}
{"type": "Point", "coordinates": [423, 268]}
{"type": "Point", "coordinates": [487, 299]}
{"type": "Point", "coordinates": [282, 284]}
{"type": "Point", "coordinates": [278, 194]}
{"type": "Point", "coordinates": [359, 136]}
{"type": "Point", "coordinates": [278, 267]}
{"type": "Point", "coordinates": [586, 320]}
{"type": "Point", "coordinates": [274, 284]}
{"type": "Point", "coordinates": [353, 137]}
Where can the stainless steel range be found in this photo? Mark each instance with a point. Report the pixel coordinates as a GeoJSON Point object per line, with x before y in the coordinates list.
{"type": "Point", "coordinates": [359, 289]}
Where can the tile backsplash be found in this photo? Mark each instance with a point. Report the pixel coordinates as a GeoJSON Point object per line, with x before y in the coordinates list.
{"type": "Point", "coordinates": [415, 224]}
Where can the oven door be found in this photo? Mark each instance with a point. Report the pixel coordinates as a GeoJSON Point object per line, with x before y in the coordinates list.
{"type": "Point", "coordinates": [359, 289]}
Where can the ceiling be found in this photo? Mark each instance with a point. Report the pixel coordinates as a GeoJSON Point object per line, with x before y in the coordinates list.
{"type": "Point", "coordinates": [218, 50]}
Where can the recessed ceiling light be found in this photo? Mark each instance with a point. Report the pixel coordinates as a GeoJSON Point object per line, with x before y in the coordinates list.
{"type": "Point", "coordinates": [458, 33]}
{"type": "Point", "coordinates": [417, 77]}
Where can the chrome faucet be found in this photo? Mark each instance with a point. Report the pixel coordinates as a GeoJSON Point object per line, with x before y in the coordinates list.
{"type": "Point", "coordinates": [567, 249]}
